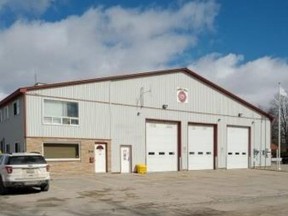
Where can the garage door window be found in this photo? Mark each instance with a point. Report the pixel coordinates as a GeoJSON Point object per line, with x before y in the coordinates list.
{"type": "Point", "coordinates": [61, 151]}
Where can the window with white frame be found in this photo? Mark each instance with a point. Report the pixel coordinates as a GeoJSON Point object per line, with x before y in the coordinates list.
{"type": "Point", "coordinates": [16, 107]}
{"type": "Point", "coordinates": [66, 151]}
{"type": "Point", "coordinates": [61, 112]}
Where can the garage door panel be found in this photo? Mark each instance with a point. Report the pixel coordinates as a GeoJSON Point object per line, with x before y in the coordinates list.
{"type": "Point", "coordinates": [200, 147]}
{"type": "Point", "coordinates": [161, 143]}
{"type": "Point", "coordinates": [237, 147]}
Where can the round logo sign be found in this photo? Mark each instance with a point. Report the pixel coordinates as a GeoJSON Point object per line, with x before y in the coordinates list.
{"type": "Point", "coordinates": [182, 97]}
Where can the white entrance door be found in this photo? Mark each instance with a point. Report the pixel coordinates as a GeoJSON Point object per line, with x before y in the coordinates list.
{"type": "Point", "coordinates": [125, 159]}
{"type": "Point", "coordinates": [200, 147]}
{"type": "Point", "coordinates": [237, 147]}
{"type": "Point", "coordinates": [161, 146]}
{"type": "Point", "coordinates": [100, 158]}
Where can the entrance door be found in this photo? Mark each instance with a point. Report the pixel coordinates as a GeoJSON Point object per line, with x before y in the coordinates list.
{"type": "Point", "coordinates": [100, 158]}
{"type": "Point", "coordinates": [125, 159]}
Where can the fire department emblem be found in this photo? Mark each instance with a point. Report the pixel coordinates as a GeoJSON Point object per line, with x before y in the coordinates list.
{"type": "Point", "coordinates": [182, 95]}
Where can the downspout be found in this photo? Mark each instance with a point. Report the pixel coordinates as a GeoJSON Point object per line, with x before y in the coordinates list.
{"type": "Point", "coordinates": [110, 113]}
{"type": "Point", "coordinates": [23, 91]}
{"type": "Point", "coordinates": [261, 139]}
{"type": "Point", "coordinates": [266, 151]}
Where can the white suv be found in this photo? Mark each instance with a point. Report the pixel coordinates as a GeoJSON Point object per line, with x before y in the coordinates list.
{"type": "Point", "coordinates": [23, 170]}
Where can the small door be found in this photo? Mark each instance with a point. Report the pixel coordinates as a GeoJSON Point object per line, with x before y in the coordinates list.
{"type": "Point", "coordinates": [125, 159]}
{"type": "Point", "coordinates": [100, 158]}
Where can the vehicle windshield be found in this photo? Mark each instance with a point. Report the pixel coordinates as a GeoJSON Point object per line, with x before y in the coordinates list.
{"type": "Point", "coordinates": [17, 160]}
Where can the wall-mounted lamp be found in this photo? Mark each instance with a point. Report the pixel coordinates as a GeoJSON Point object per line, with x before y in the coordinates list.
{"type": "Point", "coordinates": [138, 113]}
{"type": "Point", "coordinates": [240, 114]}
{"type": "Point", "coordinates": [252, 122]}
{"type": "Point", "coordinates": [219, 120]}
{"type": "Point", "coordinates": [164, 106]}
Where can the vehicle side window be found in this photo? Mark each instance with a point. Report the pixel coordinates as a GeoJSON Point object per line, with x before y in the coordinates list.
{"type": "Point", "coordinates": [18, 160]}
{"type": "Point", "coordinates": [1, 159]}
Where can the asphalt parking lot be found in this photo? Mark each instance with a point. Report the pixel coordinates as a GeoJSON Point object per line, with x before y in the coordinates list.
{"type": "Point", "coordinates": [196, 193]}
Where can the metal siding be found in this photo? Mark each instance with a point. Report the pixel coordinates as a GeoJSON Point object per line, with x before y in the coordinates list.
{"type": "Point", "coordinates": [93, 121]}
{"type": "Point", "coordinates": [161, 90]}
{"type": "Point", "coordinates": [127, 129]}
{"type": "Point", "coordinates": [90, 92]}
{"type": "Point", "coordinates": [205, 105]}
{"type": "Point", "coordinates": [12, 129]}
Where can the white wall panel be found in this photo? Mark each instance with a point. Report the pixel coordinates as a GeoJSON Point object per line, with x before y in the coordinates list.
{"type": "Point", "coordinates": [94, 121]}
{"type": "Point", "coordinates": [91, 91]}
{"type": "Point", "coordinates": [155, 91]}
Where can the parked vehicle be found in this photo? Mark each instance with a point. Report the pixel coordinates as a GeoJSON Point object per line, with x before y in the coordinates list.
{"type": "Point", "coordinates": [284, 157]}
{"type": "Point", "coordinates": [23, 170]}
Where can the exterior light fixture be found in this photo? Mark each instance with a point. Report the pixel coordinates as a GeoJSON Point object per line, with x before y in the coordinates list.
{"type": "Point", "coordinates": [164, 106]}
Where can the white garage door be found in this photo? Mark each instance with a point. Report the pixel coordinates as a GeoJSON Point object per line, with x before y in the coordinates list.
{"type": "Point", "coordinates": [200, 147]}
{"type": "Point", "coordinates": [161, 143]}
{"type": "Point", "coordinates": [237, 147]}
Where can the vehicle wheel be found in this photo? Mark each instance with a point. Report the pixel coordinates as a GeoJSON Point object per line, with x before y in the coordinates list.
{"type": "Point", "coordinates": [3, 189]}
{"type": "Point", "coordinates": [45, 187]}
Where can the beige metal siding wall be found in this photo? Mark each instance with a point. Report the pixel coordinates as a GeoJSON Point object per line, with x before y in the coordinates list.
{"type": "Point", "coordinates": [267, 140]}
{"type": "Point", "coordinates": [13, 129]}
{"type": "Point", "coordinates": [127, 129]}
{"type": "Point", "coordinates": [159, 90]}
{"type": "Point", "coordinates": [94, 117]}
{"type": "Point", "coordinates": [91, 92]}
{"type": "Point", "coordinates": [205, 105]}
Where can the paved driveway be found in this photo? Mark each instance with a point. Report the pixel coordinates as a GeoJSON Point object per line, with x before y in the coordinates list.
{"type": "Point", "coordinates": [196, 193]}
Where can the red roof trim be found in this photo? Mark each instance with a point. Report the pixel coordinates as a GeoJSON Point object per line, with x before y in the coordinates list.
{"type": "Point", "coordinates": [12, 96]}
{"type": "Point", "coordinates": [137, 75]}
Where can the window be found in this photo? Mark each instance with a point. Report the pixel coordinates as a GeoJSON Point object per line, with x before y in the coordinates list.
{"type": "Point", "coordinates": [31, 159]}
{"type": "Point", "coordinates": [61, 150]}
{"type": "Point", "coordinates": [2, 145]}
{"type": "Point", "coordinates": [61, 112]}
{"type": "Point", "coordinates": [6, 113]}
{"type": "Point", "coordinates": [8, 148]}
{"type": "Point", "coordinates": [17, 147]}
{"type": "Point", "coordinates": [16, 108]}
{"type": "Point", "coordinates": [1, 116]}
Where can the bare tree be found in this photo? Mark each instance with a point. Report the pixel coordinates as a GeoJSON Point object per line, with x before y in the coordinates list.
{"type": "Point", "coordinates": [274, 111]}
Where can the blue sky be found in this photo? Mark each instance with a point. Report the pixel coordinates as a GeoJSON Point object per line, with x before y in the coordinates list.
{"type": "Point", "coordinates": [222, 40]}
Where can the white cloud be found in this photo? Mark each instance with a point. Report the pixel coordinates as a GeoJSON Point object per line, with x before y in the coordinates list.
{"type": "Point", "coordinates": [100, 42]}
{"type": "Point", "coordinates": [255, 81]}
{"type": "Point", "coordinates": [36, 7]}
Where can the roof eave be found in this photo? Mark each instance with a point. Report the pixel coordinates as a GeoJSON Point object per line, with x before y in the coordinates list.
{"type": "Point", "coordinates": [13, 96]}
